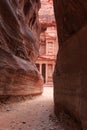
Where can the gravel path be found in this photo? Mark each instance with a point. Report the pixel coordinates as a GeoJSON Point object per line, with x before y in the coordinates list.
{"type": "Point", "coordinates": [30, 114]}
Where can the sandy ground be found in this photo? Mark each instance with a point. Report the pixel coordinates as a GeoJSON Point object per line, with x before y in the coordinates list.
{"type": "Point", "coordinates": [34, 113]}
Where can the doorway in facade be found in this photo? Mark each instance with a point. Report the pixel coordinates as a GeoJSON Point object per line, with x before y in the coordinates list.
{"type": "Point", "coordinates": [44, 72]}
{"type": "Point", "coordinates": [48, 43]}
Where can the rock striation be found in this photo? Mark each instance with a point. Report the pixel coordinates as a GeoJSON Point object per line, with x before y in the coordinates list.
{"type": "Point", "coordinates": [70, 76]}
{"type": "Point", "coordinates": [19, 47]}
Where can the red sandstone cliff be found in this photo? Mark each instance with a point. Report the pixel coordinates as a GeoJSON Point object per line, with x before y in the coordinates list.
{"type": "Point", "coordinates": [19, 47]}
{"type": "Point", "coordinates": [46, 14]}
{"type": "Point", "coordinates": [70, 76]}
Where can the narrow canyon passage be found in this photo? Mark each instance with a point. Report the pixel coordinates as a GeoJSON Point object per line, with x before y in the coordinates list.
{"type": "Point", "coordinates": [31, 114]}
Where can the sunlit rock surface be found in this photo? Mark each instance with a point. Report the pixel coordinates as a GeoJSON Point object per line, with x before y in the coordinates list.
{"type": "Point", "coordinates": [70, 76]}
{"type": "Point", "coordinates": [46, 12]}
{"type": "Point", "coordinates": [46, 15]}
{"type": "Point", "coordinates": [19, 47]}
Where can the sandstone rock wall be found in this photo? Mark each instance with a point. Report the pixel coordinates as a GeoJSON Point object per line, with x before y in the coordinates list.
{"type": "Point", "coordinates": [70, 76]}
{"type": "Point", "coordinates": [19, 47]}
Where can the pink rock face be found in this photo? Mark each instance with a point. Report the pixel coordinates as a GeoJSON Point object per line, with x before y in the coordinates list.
{"type": "Point", "coordinates": [46, 12]}
{"type": "Point", "coordinates": [46, 15]}
{"type": "Point", "coordinates": [19, 47]}
{"type": "Point", "coordinates": [70, 76]}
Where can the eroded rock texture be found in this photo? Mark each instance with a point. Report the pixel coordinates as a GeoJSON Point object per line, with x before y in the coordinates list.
{"type": "Point", "coordinates": [70, 76]}
{"type": "Point", "coordinates": [19, 36]}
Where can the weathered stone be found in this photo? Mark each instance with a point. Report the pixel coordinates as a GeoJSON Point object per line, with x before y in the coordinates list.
{"type": "Point", "coordinates": [19, 47]}
{"type": "Point", "coordinates": [70, 76]}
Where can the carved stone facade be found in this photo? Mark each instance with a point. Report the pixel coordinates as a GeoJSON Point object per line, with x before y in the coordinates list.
{"type": "Point", "coordinates": [47, 53]}
{"type": "Point", "coordinates": [48, 41]}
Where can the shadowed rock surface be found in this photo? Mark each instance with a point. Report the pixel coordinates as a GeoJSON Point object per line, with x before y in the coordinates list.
{"type": "Point", "coordinates": [70, 76]}
{"type": "Point", "coordinates": [19, 47]}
